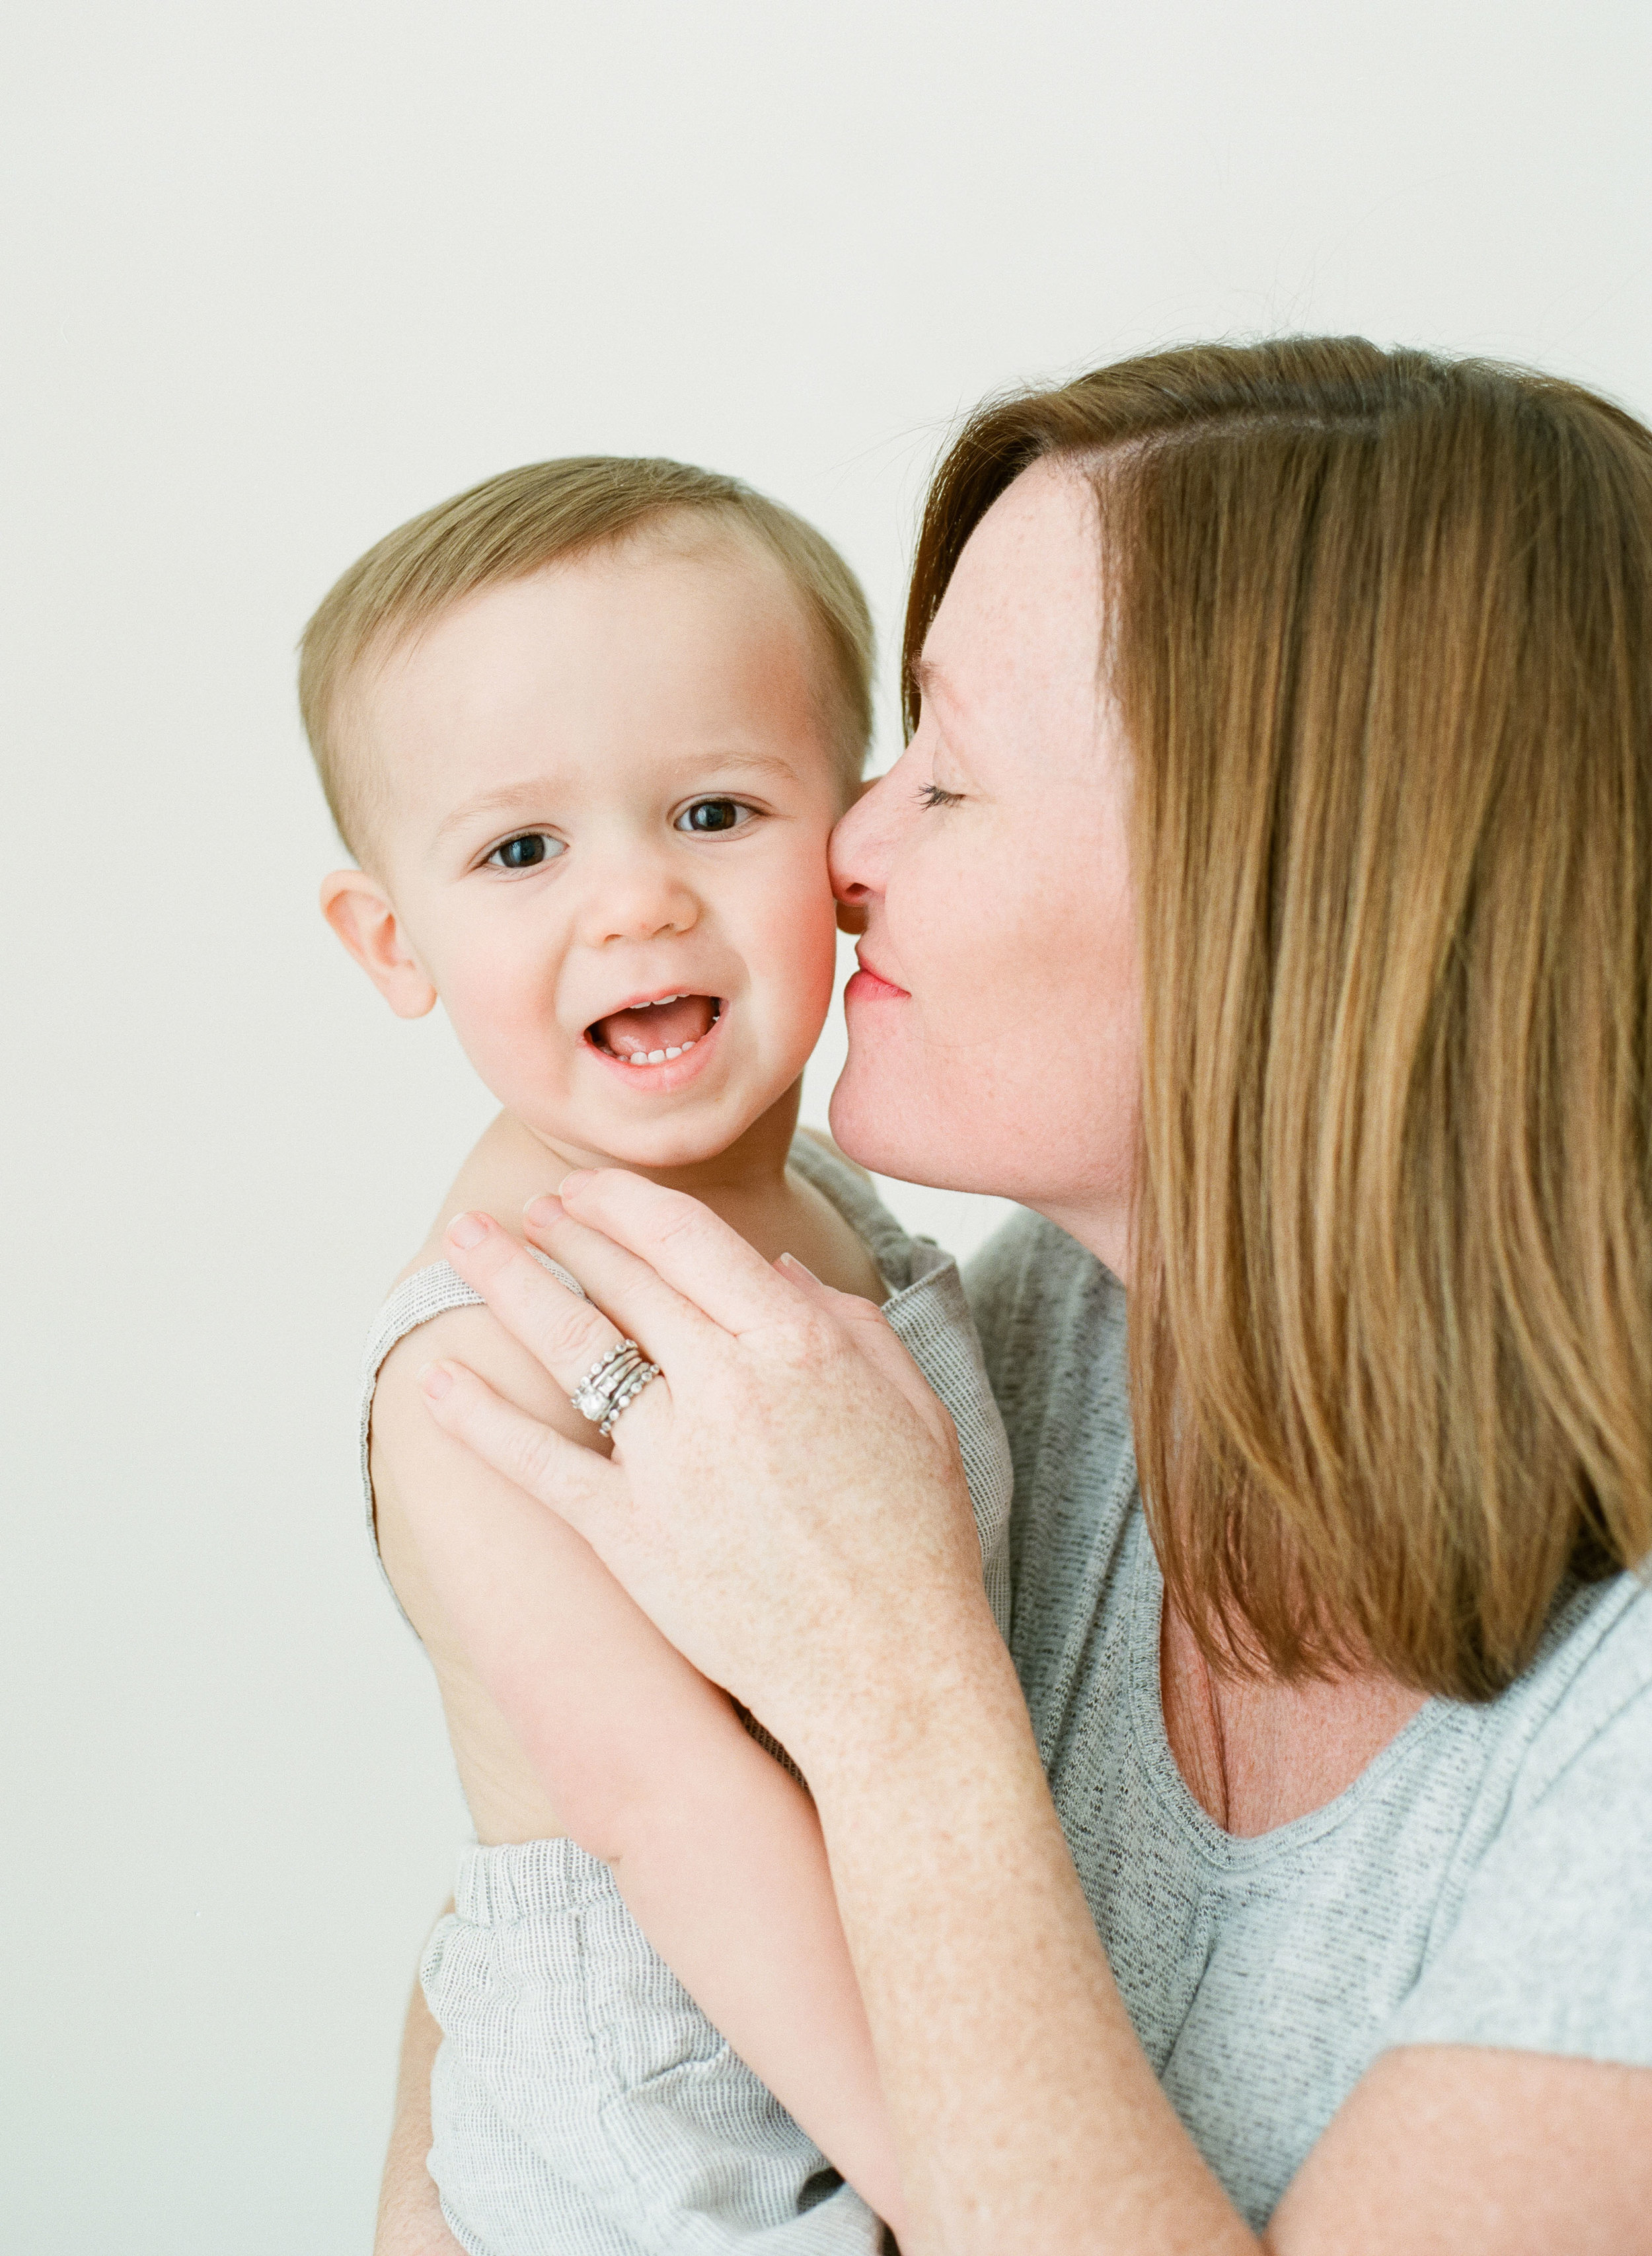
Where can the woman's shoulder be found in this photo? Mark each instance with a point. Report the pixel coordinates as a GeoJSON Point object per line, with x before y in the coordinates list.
{"type": "Point", "coordinates": [1052, 1324]}
{"type": "Point", "coordinates": [1051, 1319]}
{"type": "Point", "coordinates": [1591, 1683]}
{"type": "Point", "coordinates": [1541, 1940]}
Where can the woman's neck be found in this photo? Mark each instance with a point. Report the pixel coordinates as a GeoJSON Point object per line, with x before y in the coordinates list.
{"type": "Point", "coordinates": [1256, 1753]}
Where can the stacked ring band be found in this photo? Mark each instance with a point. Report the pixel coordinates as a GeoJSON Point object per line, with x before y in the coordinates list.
{"type": "Point", "coordinates": [613, 1383]}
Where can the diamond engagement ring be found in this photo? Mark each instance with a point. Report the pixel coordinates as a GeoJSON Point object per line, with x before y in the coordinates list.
{"type": "Point", "coordinates": [611, 1384]}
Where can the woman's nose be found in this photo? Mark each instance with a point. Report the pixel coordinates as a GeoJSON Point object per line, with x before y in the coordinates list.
{"type": "Point", "coordinates": [858, 853]}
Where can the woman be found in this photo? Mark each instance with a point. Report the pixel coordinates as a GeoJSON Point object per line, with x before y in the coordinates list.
{"type": "Point", "coordinates": [1264, 899]}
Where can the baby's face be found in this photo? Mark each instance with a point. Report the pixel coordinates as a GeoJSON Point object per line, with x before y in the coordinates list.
{"type": "Point", "coordinates": [608, 791]}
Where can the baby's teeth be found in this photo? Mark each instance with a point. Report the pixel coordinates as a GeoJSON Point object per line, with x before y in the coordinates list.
{"type": "Point", "coordinates": [656, 1057]}
{"type": "Point", "coordinates": [671, 1053]}
{"type": "Point", "coordinates": [689, 1046]}
{"type": "Point", "coordinates": [636, 1058]}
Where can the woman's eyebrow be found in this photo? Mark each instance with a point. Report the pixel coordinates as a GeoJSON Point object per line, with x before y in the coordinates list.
{"type": "Point", "coordinates": [929, 681]}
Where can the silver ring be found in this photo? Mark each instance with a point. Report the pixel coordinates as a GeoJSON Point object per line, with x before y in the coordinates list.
{"type": "Point", "coordinates": [611, 1384]}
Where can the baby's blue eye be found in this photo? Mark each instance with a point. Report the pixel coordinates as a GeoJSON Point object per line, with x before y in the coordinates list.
{"type": "Point", "coordinates": [525, 852]}
{"type": "Point", "coordinates": [706, 816]}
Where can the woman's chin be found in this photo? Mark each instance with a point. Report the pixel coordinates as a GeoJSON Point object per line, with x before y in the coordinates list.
{"type": "Point", "coordinates": [853, 1118]}
{"type": "Point", "coordinates": [878, 1134]}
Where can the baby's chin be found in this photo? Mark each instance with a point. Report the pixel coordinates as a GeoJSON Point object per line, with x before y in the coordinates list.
{"type": "Point", "coordinates": [677, 1141]}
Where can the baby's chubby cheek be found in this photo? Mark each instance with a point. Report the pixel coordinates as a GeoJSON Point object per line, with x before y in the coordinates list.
{"type": "Point", "coordinates": [508, 1029]}
{"type": "Point", "coordinates": [792, 969]}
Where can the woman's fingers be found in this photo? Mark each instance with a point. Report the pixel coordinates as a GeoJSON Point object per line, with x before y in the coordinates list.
{"type": "Point", "coordinates": [555, 1471]}
{"type": "Point", "coordinates": [641, 1302]}
{"type": "Point", "coordinates": [565, 1333]}
{"type": "Point", "coordinates": [709, 1265]}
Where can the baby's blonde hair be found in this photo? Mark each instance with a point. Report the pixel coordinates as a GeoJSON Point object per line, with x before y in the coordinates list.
{"type": "Point", "coordinates": [512, 526]}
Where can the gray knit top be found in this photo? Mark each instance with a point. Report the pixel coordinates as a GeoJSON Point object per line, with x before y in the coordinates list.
{"type": "Point", "coordinates": [1487, 1879]}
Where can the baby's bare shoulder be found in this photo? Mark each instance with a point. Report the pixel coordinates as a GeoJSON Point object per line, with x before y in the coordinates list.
{"type": "Point", "coordinates": [475, 1337]}
{"type": "Point", "coordinates": [500, 1175]}
{"type": "Point", "coordinates": [501, 1172]}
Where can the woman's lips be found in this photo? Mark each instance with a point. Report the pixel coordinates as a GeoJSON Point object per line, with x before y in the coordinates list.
{"type": "Point", "coordinates": [870, 986]}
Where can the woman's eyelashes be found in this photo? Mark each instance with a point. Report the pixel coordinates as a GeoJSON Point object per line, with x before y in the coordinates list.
{"type": "Point", "coordinates": [930, 794]}
{"type": "Point", "coordinates": [526, 851]}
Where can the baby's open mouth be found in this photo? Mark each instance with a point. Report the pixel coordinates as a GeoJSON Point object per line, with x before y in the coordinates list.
{"type": "Point", "coordinates": [654, 1032]}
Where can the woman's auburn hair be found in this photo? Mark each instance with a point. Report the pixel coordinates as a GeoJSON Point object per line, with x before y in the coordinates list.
{"type": "Point", "coordinates": [1379, 636]}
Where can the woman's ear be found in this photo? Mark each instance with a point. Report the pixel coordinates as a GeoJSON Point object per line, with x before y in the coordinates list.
{"type": "Point", "coordinates": [363, 916]}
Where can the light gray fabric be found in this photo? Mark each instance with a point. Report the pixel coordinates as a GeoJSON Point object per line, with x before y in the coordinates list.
{"type": "Point", "coordinates": [1487, 1880]}
{"type": "Point", "coordinates": [580, 2100]}
{"type": "Point", "coordinates": [582, 2103]}
{"type": "Point", "coordinates": [928, 1310]}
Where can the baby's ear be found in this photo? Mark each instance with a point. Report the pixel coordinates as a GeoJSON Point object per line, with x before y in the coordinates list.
{"type": "Point", "coordinates": [363, 916]}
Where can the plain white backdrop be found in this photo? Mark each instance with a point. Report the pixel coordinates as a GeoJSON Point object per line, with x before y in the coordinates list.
{"type": "Point", "coordinates": [276, 278]}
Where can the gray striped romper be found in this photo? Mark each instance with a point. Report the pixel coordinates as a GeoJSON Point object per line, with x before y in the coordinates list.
{"type": "Point", "coordinates": [582, 2105]}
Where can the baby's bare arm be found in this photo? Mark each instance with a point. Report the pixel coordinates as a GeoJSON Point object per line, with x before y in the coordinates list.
{"type": "Point", "coordinates": [570, 1708]}
{"type": "Point", "coordinates": [410, 2219]}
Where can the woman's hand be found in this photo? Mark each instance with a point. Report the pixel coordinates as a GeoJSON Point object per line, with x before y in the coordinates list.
{"type": "Point", "coordinates": [787, 1502]}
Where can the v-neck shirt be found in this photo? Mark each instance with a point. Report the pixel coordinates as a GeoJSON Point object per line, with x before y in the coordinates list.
{"type": "Point", "coordinates": [1486, 1881]}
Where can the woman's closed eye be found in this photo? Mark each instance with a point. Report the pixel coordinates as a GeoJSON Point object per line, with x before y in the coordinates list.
{"type": "Point", "coordinates": [715, 818]}
{"type": "Point", "coordinates": [931, 795]}
{"type": "Point", "coordinates": [527, 850]}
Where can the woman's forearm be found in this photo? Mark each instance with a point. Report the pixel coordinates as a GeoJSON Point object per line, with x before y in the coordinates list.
{"type": "Point", "coordinates": [1025, 2113]}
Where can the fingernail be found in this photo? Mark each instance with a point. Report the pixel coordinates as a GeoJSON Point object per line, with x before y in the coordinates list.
{"type": "Point", "coordinates": [434, 1382]}
{"type": "Point", "coordinates": [467, 1230]}
{"type": "Point", "coordinates": [542, 1210]}
{"type": "Point", "coordinates": [573, 1181]}
{"type": "Point", "coordinates": [791, 1261]}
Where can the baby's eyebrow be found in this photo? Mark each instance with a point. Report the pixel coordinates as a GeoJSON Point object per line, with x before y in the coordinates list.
{"type": "Point", "coordinates": [502, 801]}
{"type": "Point", "coordinates": [736, 756]}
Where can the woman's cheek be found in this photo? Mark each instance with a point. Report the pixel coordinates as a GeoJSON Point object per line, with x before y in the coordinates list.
{"type": "Point", "coordinates": [950, 936]}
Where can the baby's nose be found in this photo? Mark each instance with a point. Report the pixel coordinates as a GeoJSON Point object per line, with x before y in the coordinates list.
{"type": "Point", "coordinates": [639, 899]}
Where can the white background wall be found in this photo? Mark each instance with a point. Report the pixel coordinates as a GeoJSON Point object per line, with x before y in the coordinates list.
{"type": "Point", "coordinates": [277, 278]}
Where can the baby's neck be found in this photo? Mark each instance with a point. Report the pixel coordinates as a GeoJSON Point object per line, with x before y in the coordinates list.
{"type": "Point", "coordinates": [747, 1185]}
{"type": "Point", "coordinates": [752, 1167]}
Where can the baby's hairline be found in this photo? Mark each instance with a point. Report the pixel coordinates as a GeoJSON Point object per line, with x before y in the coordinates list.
{"type": "Point", "coordinates": [367, 791]}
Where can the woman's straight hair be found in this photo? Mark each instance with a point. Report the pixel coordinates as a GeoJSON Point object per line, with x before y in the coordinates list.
{"type": "Point", "coordinates": [1379, 634]}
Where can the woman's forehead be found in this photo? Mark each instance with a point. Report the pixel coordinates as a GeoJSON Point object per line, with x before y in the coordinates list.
{"type": "Point", "coordinates": [1020, 623]}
